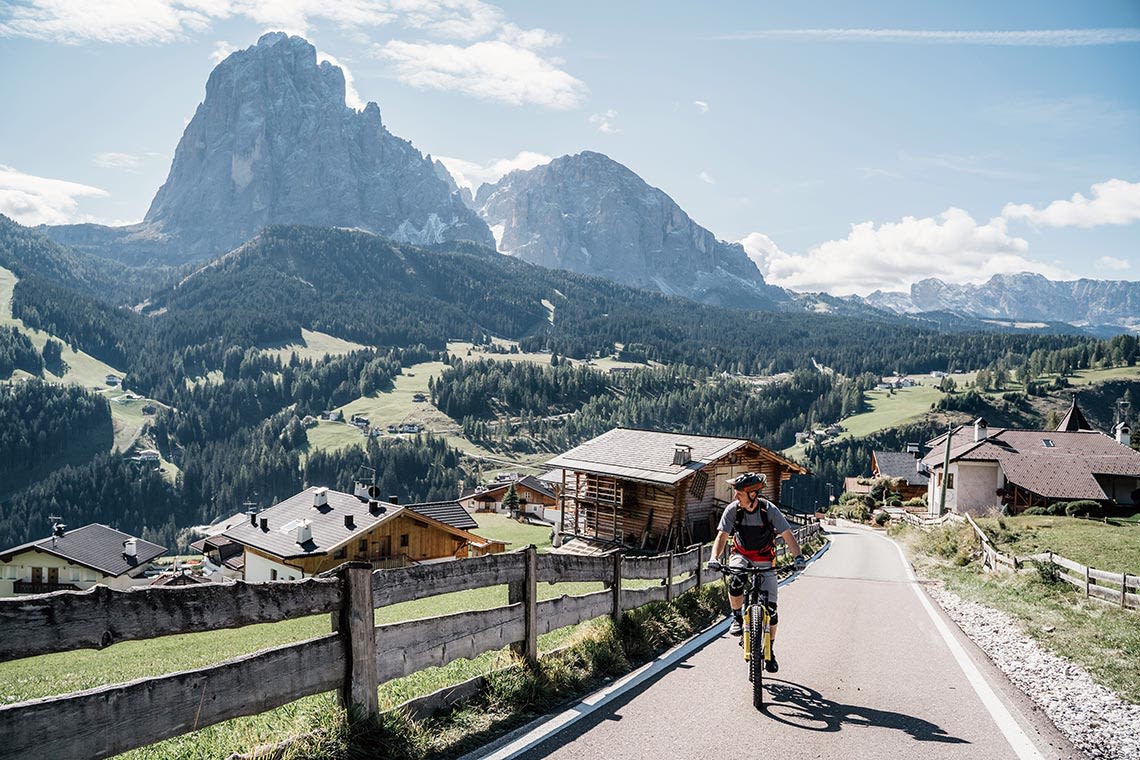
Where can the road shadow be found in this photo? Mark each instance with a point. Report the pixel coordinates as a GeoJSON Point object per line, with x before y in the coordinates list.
{"type": "Point", "coordinates": [800, 707]}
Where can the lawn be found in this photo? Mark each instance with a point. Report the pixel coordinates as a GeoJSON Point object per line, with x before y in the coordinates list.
{"type": "Point", "coordinates": [315, 346]}
{"type": "Point", "coordinates": [1114, 548]}
{"type": "Point", "coordinates": [1103, 639]}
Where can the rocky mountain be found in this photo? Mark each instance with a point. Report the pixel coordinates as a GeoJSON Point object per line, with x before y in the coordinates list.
{"type": "Point", "coordinates": [273, 142]}
{"type": "Point", "coordinates": [1101, 306]}
{"type": "Point", "coordinates": [587, 213]}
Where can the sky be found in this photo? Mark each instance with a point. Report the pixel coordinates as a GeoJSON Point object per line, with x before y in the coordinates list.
{"type": "Point", "coordinates": [850, 147]}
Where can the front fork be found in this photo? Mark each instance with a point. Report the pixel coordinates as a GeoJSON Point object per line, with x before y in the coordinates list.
{"type": "Point", "coordinates": [746, 640]}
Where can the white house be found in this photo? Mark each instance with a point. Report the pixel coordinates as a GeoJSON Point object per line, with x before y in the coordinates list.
{"type": "Point", "coordinates": [72, 560]}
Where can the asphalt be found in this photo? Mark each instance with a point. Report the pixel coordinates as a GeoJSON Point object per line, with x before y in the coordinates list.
{"type": "Point", "coordinates": [864, 673]}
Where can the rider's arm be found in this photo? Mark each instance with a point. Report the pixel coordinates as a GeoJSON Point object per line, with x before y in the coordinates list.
{"type": "Point", "coordinates": [719, 543]}
{"type": "Point", "coordinates": [793, 544]}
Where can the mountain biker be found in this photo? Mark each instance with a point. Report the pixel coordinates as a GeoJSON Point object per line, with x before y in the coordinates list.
{"type": "Point", "coordinates": [753, 522]}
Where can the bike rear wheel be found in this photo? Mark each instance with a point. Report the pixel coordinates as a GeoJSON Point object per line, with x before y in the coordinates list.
{"type": "Point", "coordinates": [756, 658]}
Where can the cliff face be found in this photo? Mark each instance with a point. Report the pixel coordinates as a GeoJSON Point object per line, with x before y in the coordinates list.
{"type": "Point", "coordinates": [590, 214]}
{"type": "Point", "coordinates": [273, 142]}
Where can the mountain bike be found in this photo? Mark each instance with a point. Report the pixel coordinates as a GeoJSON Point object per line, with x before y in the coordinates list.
{"type": "Point", "coordinates": [757, 639]}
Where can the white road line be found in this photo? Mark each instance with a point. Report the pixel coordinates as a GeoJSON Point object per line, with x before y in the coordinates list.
{"type": "Point", "coordinates": [1018, 740]}
{"type": "Point", "coordinates": [531, 739]}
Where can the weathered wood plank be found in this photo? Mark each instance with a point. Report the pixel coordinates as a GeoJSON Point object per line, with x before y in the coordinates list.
{"type": "Point", "coordinates": [1068, 564]}
{"type": "Point", "coordinates": [112, 719]}
{"type": "Point", "coordinates": [1072, 579]}
{"type": "Point", "coordinates": [1104, 575]}
{"type": "Point", "coordinates": [687, 561]}
{"type": "Point", "coordinates": [1106, 593]}
{"type": "Point", "coordinates": [404, 648]}
{"type": "Point", "coordinates": [405, 583]}
{"type": "Point", "coordinates": [570, 610]}
{"type": "Point", "coordinates": [682, 586]}
{"type": "Point", "coordinates": [632, 598]}
{"type": "Point", "coordinates": [101, 616]}
{"type": "Point", "coordinates": [649, 568]}
{"type": "Point", "coordinates": [1132, 581]}
{"type": "Point", "coordinates": [556, 568]}
{"type": "Point", "coordinates": [356, 627]}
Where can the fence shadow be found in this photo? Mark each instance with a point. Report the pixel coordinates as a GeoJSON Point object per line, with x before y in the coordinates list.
{"type": "Point", "coordinates": [801, 707]}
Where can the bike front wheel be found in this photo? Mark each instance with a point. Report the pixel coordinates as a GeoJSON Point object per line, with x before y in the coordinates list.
{"type": "Point", "coordinates": [756, 655]}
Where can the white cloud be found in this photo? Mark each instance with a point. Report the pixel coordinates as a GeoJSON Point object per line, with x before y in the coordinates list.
{"type": "Point", "coordinates": [701, 105]}
{"type": "Point", "coordinates": [707, 178]}
{"type": "Point", "coordinates": [952, 247]}
{"type": "Point", "coordinates": [1113, 202]}
{"type": "Point", "coordinates": [604, 122]}
{"type": "Point", "coordinates": [1028, 37]}
{"type": "Point", "coordinates": [109, 20]}
{"type": "Point", "coordinates": [35, 200]}
{"type": "Point", "coordinates": [352, 98]}
{"type": "Point", "coordinates": [471, 175]}
{"type": "Point", "coordinates": [1110, 262]}
{"type": "Point", "coordinates": [494, 70]}
{"type": "Point", "coordinates": [222, 50]}
{"type": "Point", "coordinates": [111, 160]}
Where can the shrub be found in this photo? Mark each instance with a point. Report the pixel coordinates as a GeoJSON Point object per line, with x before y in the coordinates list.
{"type": "Point", "coordinates": [1036, 511]}
{"type": "Point", "coordinates": [896, 502]}
{"type": "Point", "coordinates": [918, 501]}
{"type": "Point", "coordinates": [882, 518]}
{"type": "Point", "coordinates": [1047, 572]}
{"type": "Point", "coordinates": [1083, 508]}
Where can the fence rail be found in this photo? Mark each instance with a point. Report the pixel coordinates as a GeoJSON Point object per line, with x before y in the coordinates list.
{"type": "Point", "coordinates": [1090, 580]}
{"type": "Point", "coordinates": [354, 660]}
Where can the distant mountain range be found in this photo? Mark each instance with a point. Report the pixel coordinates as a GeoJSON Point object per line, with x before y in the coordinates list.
{"type": "Point", "coordinates": [1097, 306]}
{"type": "Point", "coordinates": [274, 143]}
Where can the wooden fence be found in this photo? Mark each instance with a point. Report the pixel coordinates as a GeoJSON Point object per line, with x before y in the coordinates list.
{"type": "Point", "coordinates": [1096, 584]}
{"type": "Point", "coordinates": [353, 660]}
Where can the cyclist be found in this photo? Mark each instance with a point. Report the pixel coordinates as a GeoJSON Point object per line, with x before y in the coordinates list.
{"type": "Point", "coordinates": [753, 522]}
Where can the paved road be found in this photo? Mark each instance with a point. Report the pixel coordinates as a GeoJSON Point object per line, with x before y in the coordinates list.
{"type": "Point", "coordinates": [864, 673]}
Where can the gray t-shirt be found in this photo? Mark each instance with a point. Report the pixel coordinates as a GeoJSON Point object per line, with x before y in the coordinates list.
{"type": "Point", "coordinates": [775, 516]}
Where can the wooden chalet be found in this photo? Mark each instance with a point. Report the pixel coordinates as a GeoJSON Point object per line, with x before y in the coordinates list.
{"type": "Point", "coordinates": [535, 496]}
{"type": "Point", "coordinates": [646, 489]}
{"type": "Point", "coordinates": [319, 529]}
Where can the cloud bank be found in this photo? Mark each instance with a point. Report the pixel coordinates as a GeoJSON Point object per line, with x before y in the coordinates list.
{"type": "Point", "coordinates": [32, 200]}
{"type": "Point", "coordinates": [1113, 202]}
{"type": "Point", "coordinates": [471, 175]}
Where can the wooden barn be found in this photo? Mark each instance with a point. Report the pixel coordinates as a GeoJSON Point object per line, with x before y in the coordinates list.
{"type": "Point", "coordinates": [646, 489]}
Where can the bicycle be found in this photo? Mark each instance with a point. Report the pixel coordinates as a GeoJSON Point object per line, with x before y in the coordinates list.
{"type": "Point", "coordinates": [757, 639]}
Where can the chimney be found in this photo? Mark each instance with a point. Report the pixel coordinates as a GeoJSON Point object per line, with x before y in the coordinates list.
{"type": "Point", "coordinates": [304, 531]}
{"type": "Point", "coordinates": [914, 449]}
{"type": "Point", "coordinates": [393, 499]}
{"type": "Point", "coordinates": [1123, 433]}
{"type": "Point", "coordinates": [321, 497]}
{"type": "Point", "coordinates": [348, 523]}
{"type": "Point", "coordinates": [131, 547]}
{"type": "Point", "coordinates": [682, 454]}
{"type": "Point", "coordinates": [376, 508]}
{"type": "Point", "coordinates": [981, 429]}
{"type": "Point", "coordinates": [253, 517]}
{"type": "Point", "coordinates": [265, 524]}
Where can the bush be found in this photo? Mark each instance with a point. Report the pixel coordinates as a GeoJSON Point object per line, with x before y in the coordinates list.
{"type": "Point", "coordinates": [1036, 511]}
{"type": "Point", "coordinates": [852, 510]}
{"type": "Point", "coordinates": [1083, 508]}
{"type": "Point", "coordinates": [882, 518]}
{"type": "Point", "coordinates": [917, 501]}
{"type": "Point", "coordinates": [1047, 572]}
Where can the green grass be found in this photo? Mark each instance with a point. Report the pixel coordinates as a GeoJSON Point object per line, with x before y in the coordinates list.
{"type": "Point", "coordinates": [516, 534]}
{"type": "Point", "coordinates": [315, 346]}
{"type": "Point", "coordinates": [1102, 639]}
{"type": "Point", "coordinates": [1113, 548]}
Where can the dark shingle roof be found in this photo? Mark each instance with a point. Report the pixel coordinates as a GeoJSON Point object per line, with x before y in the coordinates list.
{"type": "Point", "coordinates": [449, 512]}
{"type": "Point", "coordinates": [899, 464]}
{"type": "Point", "coordinates": [1074, 419]}
{"type": "Point", "coordinates": [1066, 469]}
{"type": "Point", "coordinates": [326, 523]}
{"type": "Point", "coordinates": [95, 546]}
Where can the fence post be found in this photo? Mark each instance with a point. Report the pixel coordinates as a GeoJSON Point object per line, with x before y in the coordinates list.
{"type": "Point", "coordinates": [1123, 590]}
{"type": "Point", "coordinates": [669, 577]}
{"type": "Point", "coordinates": [1086, 580]}
{"type": "Point", "coordinates": [357, 629]}
{"type": "Point", "coordinates": [615, 590]}
{"type": "Point", "coordinates": [700, 566]}
{"type": "Point", "coordinates": [526, 591]}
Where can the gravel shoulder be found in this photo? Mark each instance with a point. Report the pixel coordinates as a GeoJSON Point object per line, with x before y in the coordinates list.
{"type": "Point", "coordinates": [1091, 716]}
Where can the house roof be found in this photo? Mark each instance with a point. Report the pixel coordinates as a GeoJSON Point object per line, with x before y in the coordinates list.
{"type": "Point", "coordinates": [1074, 419]}
{"type": "Point", "coordinates": [647, 455]}
{"type": "Point", "coordinates": [899, 464]}
{"type": "Point", "coordinates": [492, 491]}
{"type": "Point", "coordinates": [95, 546]}
{"type": "Point", "coordinates": [1066, 469]}
{"type": "Point", "coordinates": [538, 486]}
{"type": "Point", "coordinates": [449, 512]}
{"type": "Point", "coordinates": [326, 523]}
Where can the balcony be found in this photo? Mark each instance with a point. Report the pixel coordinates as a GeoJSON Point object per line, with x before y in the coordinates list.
{"type": "Point", "coordinates": [39, 587]}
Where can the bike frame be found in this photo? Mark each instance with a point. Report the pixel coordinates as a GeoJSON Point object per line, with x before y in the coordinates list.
{"type": "Point", "coordinates": [755, 603]}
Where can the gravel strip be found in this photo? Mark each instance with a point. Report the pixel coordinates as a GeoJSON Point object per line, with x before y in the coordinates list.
{"type": "Point", "coordinates": [1093, 718]}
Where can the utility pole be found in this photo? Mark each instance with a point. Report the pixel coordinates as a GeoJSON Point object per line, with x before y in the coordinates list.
{"type": "Point", "coordinates": [945, 472]}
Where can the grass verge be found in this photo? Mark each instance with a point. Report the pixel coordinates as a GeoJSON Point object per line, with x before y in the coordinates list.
{"type": "Point", "coordinates": [1103, 640]}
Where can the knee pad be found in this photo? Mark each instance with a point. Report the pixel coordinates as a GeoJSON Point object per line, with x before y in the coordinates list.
{"type": "Point", "coordinates": [735, 585]}
{"type": "Point", "coordinates": [773, 618]}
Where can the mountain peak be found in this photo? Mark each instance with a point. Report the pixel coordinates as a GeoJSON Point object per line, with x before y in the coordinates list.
{"type": "Point", "coordinates": [274, 143]}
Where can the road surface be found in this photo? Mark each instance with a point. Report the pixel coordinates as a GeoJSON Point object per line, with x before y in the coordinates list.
{"type": "Point", "coordinates": [866, 671]}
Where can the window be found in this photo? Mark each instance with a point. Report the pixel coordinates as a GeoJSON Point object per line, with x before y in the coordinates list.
{"type": "Point", "coordinates": [403, 540]}
{"type": "Point", "coordinates": [341, 553]}
{"type": "Point", "coordinates": [1047, 443]}
{"type": "Point", "coordinates": [272, 575]}
{"type": "Point", "coordinates": [362, 547]}
{"type": "Point", "coordinates": [949, 480]}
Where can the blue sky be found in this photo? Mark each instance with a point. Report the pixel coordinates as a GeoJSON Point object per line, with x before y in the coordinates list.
{"type": "Point", "coordinates": [850, 146]}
